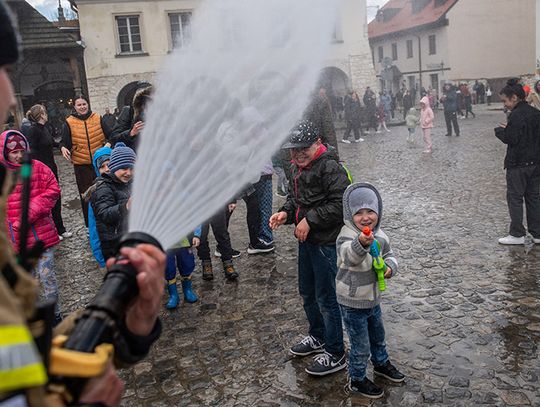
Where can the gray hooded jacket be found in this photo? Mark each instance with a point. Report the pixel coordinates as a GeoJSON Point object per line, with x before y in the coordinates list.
{"type": "Point", "coordinates": [356, 281]}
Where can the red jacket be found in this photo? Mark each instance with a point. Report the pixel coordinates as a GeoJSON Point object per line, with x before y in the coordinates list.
{"type": "Point", "coordinates": [44, 192]}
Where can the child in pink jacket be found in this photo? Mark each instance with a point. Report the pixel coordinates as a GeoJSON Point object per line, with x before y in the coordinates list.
{"type": "Point", "coordinates": [44, 192]}
{"type": "Point", "coordinates": [426, 122]}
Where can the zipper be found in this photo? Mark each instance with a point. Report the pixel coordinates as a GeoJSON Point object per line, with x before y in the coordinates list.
{"type": "Point", "coordinates": [88, 141]}
{"type": "Point", "coordinates": [296, 194]}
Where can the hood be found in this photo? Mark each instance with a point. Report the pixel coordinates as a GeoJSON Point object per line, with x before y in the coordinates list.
{"type": "Point", "coordinates": [140, 100]}
{"type": "Point", "coordinates": [100, 153]}
{"type": "Point", "coordinates": [425, 101]}
{"type": "Point", "coordinates": [412, 110]}
{"type": "Point", "coordinates": [347, 211]}
{"type": "Point", "coordinates": [3, 159]}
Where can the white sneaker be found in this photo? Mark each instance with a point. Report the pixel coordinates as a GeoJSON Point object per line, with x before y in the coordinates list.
{"type": "Point", "coordinates": [60, 237]}
{"type": "Point", "coordinates": [345, 141]}
{"type": "Point", "coordinates": [512, 240]}
{"type": "Point", "coordinates": [359, 140]}
{"type": "Point", "coordinates": [536, 241]}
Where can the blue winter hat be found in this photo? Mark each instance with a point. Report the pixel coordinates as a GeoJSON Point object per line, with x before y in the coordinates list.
{"type": "Point", "coordinates": [122, 157]}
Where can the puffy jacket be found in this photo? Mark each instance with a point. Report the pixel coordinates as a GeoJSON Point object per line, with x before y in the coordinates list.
{"type": "Point", "coordinates": [426, 114]}
{"type": "Point", "coordinates": [316, 194]}
{"type": "Point", "coordinates": [93, 233]}
{"type": "Point", "coordinates": [522, 136]}
{"type": "Point", "coordinates": [109, 204]}
{"type": "Point", "coordinates": [83, 135]}
{"type": "Point", "coordinates": [44, 192]}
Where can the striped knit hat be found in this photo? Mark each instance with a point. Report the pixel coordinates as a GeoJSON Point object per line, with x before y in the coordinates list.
{"type": "Point", "coordinates": [122, 157]}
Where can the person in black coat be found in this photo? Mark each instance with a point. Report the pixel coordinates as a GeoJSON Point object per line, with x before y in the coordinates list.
{"type": "Point", "coordinates": [112, 199]}
{"type": "Point", "coordinates": [451, 106]}
{"type": "Point", "coordinates": [353, 115]}
{"type": "Point", "coordinates": [130, 123]}
{"type": "Point", "coordinates": [41, 145]}
{"type": "Point", "coordinates": [407, 103]}
{"type": "Point", "coordinates": [521, 134]}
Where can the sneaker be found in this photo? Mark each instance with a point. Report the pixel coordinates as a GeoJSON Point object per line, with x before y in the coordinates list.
{"type": "Point", "coordinates": [307, 346]}
{"type": "Point", "coordinates": [427, 151]}
{"type": "Point", "coordinates": [509, 240]}
{"type": "Point", "coordinates": [448, 135]}
{"type": "Point", "coordinates": [235, 253]}
{"type": "Point", "coordinates": [207, 272]}
{"type": "Point", "coordinates": [345, 141]}
{"type": "Point", "coordinates": [366, 388]}
{"type": "Point", "coordinates": [326, 363]}
{"type": "Point", "coordinates": [536, 241]}
{"type": "Point", "coordinates": [260, 248]}
{"type": "Point", "coordinates": [66, 235]}
{"type": "Point", "coordinates": [389, 371]}
{"type": "Point", "coordinates": [378, 132]}
{"type": "Point", "coordinates": [230, 272]}
{"type": "Point", "coordinates": [358, 140]}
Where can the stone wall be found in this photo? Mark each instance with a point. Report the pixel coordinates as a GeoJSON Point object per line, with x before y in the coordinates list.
{"type": "Point", "coordinates": [103, 91]}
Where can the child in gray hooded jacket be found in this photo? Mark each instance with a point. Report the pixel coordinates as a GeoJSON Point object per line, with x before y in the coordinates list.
{"type": "Point", "coordinates": [357, 290]}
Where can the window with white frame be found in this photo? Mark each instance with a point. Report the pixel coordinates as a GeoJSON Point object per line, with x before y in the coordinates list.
{"type": "Point", "coordinates": [180, 28]}
{"type": "Point", "coordinates": [129, 34]}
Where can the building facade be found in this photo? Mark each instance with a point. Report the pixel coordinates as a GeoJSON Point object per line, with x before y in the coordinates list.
{"type": "Point", "coordinates": [51, 69]}
{"type": "Point", "coordinates": [126, 42]}
{"type": "Point", "coordinates": [425, 43]}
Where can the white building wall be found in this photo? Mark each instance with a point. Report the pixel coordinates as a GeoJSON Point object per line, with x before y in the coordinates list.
{"type": "Point", "coordinates": [107, 72]}
{"type": "Point", "coordinates": [491, 38]}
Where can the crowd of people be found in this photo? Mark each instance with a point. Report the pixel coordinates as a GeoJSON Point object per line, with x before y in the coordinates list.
{"type": "Point", "coordinates": [337, 223]}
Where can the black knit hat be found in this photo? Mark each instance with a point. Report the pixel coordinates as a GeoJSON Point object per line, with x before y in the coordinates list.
{"type": "Point", "coordinates": [9, 41]}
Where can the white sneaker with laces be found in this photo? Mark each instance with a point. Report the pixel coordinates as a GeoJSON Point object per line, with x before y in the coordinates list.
{"type": "Point", "coordinates": [536, 241]}
{"type": "Point", "coordinates": [346, 141]}
{"type": "Point", "coordinates": [513, 240]}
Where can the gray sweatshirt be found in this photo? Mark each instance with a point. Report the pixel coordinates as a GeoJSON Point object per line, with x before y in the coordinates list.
{"type": "Point", "coordinates": [356, 281]}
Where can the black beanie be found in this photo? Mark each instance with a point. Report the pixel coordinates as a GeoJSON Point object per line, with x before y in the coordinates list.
{"type": "Point", "coordinates": [9, 41]}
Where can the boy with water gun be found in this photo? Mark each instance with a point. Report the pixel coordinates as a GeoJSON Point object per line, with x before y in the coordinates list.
{"type": "Point", "coordinates": [365, 259]}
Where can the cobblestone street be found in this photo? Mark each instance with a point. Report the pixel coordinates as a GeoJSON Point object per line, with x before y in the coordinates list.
{"type": "Point", "coordinates": [462, 318]}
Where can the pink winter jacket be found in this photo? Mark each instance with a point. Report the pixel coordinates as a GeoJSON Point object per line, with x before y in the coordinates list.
{"type": "Point", "coordinates": [44, 192]}
{"type": "Point", "coordinates": [426, 114]}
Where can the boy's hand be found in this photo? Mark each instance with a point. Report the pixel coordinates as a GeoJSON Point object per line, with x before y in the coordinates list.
{"type": "Point", "coordinates": [365, 240]}
{"type": "Point", "coordinates": [232, 207]}
{"type": "Point", "coordinates": [302, 230]}
{"type": "Point", "coordinates": [196, 242]}
{"type": "Point", "coordinates": [388, 272]}
{"type": "Point", "coordinates": [277, 219]}
{"type": "Point", "coordinates": [128, 204]}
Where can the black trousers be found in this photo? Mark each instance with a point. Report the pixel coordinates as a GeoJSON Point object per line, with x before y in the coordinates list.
{"type": "Point", "coordinates": [523, 183]}
{"type": "Point", "coordinates": [220, 224]}
{"type": "Point", "coordinates": [451, 119]}
{"type": "Point", "coordinates": [253, 217]}
{"type": "Point", "coordinates": [353, 128]}
{"type": "Point", "coordinates": [85, 176]}
{"type": "Point", "coordinates": [57, 210]}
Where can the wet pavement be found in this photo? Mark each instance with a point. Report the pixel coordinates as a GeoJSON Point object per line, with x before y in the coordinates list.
{"type": "Point", "coordinates": [462, 318]}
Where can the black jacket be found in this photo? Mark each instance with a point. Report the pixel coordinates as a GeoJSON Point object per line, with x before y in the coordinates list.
{"type": "Point", "coordinates": [522, 136]}
{"type": "Point", "coordinates": [317, 194]}
{"type": "Point", "coordinates": [109, 205]}
{"type": "Point", "coordinates": [124, 124]}
{"type": "Point", "coordinates": [41, 145]}
{"type": "Point", "coordinates": [353, 111]}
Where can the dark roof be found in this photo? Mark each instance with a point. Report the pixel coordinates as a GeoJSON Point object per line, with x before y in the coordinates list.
{"type": "Point", "coordinates": [398, 15]}
{"type": "Point", "coordinates": [36, 31]}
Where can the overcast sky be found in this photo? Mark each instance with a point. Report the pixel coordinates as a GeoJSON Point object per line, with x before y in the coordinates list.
{"type": "Point", "coordinates": [48, 7]}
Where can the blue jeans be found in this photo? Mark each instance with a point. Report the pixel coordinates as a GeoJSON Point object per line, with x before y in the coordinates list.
{"type": "Point", "coordinates": [317, 269]}
{"type": "Point", "coordinates": [366, 334]}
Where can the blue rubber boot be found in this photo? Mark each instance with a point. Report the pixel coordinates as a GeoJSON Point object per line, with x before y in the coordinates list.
{"type": "Point", "coordinates": [189, 294]}
{"type": "Point", "coordinates": [173, 294]}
